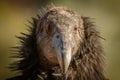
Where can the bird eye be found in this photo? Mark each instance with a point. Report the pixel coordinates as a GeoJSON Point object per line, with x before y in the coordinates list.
{"type": "Point", "coordinates": [49, 29]}
{"type": "Point", "coordinates": [75, 28]}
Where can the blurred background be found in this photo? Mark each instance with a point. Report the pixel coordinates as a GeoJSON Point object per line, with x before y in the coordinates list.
{"type": "Point", "coordinates": [106, 13]}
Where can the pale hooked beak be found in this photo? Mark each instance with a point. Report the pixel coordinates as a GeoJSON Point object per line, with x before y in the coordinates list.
{"type": "Point", "coordinates": [64, 54]}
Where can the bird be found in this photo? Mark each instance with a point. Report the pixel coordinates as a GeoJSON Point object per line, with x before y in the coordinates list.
{"type": "Point", "coordinates": [61, 45]}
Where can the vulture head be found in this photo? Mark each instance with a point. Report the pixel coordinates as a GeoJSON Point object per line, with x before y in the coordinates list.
{"type": "Point", "coordinates": [58, 36]}
{"type": "Point", "coordinates": [61, 45]}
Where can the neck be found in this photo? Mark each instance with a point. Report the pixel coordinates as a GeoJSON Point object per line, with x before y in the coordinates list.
{"type": "Point", "coordinates": [86, 65]}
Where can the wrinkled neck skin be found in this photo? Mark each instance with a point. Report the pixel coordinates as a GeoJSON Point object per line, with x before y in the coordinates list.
{"type": "Point", "coordinates": [87, 64]}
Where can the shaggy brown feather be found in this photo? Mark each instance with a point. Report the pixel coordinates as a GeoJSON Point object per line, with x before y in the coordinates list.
{"type": "Point", "coordinates": [87, 64]}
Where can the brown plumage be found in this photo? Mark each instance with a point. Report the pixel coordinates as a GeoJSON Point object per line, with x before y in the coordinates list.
{"type": "Point", "coordinates": [61, 45]}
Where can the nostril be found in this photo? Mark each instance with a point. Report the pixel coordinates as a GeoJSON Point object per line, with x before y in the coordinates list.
{"type": "Point", "coordinates": [57, 36]}
{"type": "Point", "coordinates": [62, 48]}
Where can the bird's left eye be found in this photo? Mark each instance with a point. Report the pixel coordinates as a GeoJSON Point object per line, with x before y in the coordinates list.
{"type": "Point", "coordinates": [75, 28]}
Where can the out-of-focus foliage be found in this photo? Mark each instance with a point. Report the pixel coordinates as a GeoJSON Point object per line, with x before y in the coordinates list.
{"type": "Point", "coordinates": [106, 13]}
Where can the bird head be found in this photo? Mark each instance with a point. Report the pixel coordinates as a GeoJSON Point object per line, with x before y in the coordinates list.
{"type": "Point", "coordinates": [59, 34]}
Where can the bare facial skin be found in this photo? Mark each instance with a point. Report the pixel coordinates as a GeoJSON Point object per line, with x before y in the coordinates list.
{"type": "Point", "coordinates": [61, 32]}
{"type": "Point", "coordinates": [61, 45]}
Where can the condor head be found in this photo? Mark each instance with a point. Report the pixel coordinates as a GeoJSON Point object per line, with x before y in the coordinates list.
{"type": "Point", "coordinates": [59, 34]}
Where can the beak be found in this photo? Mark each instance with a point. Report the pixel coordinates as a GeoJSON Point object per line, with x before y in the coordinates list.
{"type": "Point", "coordinates": [64, 54]}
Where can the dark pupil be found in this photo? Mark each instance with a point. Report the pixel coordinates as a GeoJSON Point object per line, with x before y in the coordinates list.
{"type": "Point", "coordinates": [75, 28]}
{"type": "Point", "coordinates": [49, 29]}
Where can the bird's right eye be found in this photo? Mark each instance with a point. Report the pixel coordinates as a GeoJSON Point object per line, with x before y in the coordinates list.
{"type": "Point", "coordinates": [49, 29]}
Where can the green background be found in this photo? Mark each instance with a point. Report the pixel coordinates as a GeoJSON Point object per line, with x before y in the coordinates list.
{"type": "Point", "coordinates": [106, 13]}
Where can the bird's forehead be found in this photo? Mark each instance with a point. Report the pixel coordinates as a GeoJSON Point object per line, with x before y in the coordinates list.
{"type": "Point", "coordinates": [63, 18]}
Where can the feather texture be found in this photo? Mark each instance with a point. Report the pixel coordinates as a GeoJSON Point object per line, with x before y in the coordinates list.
{"type": "Point", "coordinates": [87, 64]}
